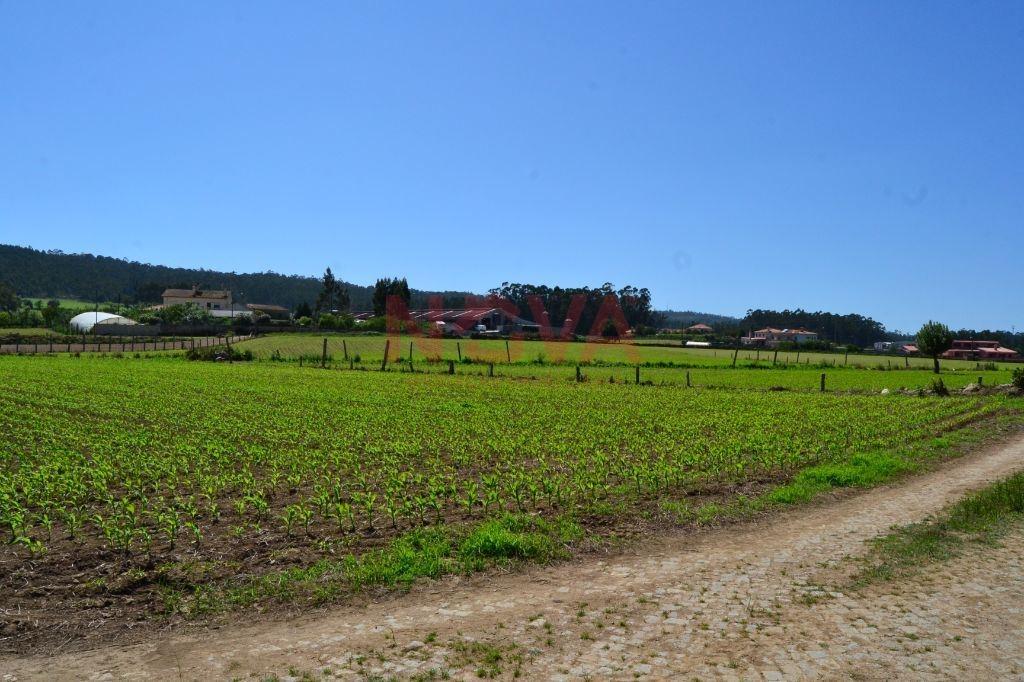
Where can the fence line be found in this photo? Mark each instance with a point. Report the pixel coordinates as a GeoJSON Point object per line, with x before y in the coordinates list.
{"type": "Point", "coordinates": [122, 347]}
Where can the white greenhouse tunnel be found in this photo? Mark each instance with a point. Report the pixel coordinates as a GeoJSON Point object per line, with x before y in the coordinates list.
{"type": "Point", "coordinates": [84, 322]}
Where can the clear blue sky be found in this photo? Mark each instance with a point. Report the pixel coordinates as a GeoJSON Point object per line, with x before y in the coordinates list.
{"type": "Point", "coordinates": [852, 157]}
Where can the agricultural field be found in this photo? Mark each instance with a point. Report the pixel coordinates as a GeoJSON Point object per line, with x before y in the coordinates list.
{"type": "Point", "coordinates": [370, 349]}
{"type": "Point", "coordinates": [70, 303]}
{"type": "Point", "coordinates": [28, 331]}
{"type": "Point", "coordinates": [616, 362]}
{"type": "Point", "coordinates": [134, 487]}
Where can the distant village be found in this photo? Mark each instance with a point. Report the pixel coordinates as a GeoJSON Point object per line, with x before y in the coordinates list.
{"type": "Point", "coordinates": [492, 321]}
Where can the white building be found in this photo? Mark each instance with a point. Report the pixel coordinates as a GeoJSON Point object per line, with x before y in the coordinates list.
{"type": "Point", "coordinates": [84, 322]}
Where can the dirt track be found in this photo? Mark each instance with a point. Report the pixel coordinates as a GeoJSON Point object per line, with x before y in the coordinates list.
{"type": "Point", "coordinates": [732, 603]}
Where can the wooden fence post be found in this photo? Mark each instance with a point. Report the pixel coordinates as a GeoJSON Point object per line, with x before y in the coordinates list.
{"type": "Point", "coordinates": [775, 357]}
{"type": "Point", "coordinates": [734, 355]}
{"type": "Point", "coordinates": [410, 354]}
{"type": "Point", "coordinates": [508, 353]}
{"type": "Point", "coordinates": [451, 367]}
{"type": "Point", "coordinates": [798, 357]}
{"type": "Point", "coordinates": [981, 381]}
{"type": "Point", "coordinates": [323, 355]}
{"type": "Point", "coordinates": [822, 382]}
{"type": "Point", "coordinates": [387, 349]}
{"type": "Point", "coordinates": [344, 348]}
{"type": "Point", "coordinates": [688, 379]}
{"type": "Point", "coordinates": [579, 377]}
{"type": "Point", "coordinates": [490, 369]}
{"type": "Point", "coordinates": [846, 361]}
{"type": "Point", "coordinates": [906, 360]}
{"type": "Point", "coordinates": [458, 347]}
{"type": "Point", "coordinates": [638, 374]}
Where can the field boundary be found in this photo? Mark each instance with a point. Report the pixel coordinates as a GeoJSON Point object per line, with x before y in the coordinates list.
{"type": "Point", "coordinates": [122, 347]}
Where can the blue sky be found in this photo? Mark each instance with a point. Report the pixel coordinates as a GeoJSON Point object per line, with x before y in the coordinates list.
{"type": "Point", "coordinates": [853, 157]}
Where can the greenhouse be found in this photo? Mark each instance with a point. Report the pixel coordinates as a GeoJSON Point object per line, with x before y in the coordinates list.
{"type": "Point", "coordinates": [85, 322]}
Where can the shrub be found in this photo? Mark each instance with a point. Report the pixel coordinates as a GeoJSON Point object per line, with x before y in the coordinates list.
{"type": "Point", "coordinates": [1018, 378]}
{"type": "Point", "coordinates": [219, 354]}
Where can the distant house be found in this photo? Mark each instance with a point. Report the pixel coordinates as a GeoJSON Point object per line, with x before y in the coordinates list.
{"type": "Point", "coordinates": [884, 346]}
{"type": "Point", "coordinates": [465, 320]}
{"type": "Point", "coordinates": [699, 328]}
{"type": "Point", "coordinates": [274, 312]}
{"type": "Point", "coordinates": [207, 299]}
{"type": "Point", "coordinates": [771, 337]}
{"type": "Point", "coordinates": [909, 349]}
{"type": "Point", "coordinates": [979, 350]}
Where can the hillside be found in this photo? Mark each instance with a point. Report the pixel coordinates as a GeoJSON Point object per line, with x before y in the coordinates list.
{"type": "Point", "coordinates": [54, 274]}
{"type": "Point", "coordinates": [676, 318]}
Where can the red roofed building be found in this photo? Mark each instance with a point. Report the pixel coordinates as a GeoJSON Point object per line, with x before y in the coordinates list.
{"type": "Point", "coordinates": [465, 320]}
{"type": "Point", "coordinates": [771, 337]}
{"type": "Point", "coordinates": [699, 328]}
{"type": "Point", "coordinates": [979, 350]}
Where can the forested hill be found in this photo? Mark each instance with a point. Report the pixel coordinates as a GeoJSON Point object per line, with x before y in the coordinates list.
{"type": "Point", "coordinates": [684, 318]}
{"type": "Point", "coordinates": [54, 274]}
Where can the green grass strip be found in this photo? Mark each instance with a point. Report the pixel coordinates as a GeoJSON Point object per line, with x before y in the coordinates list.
{"type": "Point", "coordinates": [981, 517]}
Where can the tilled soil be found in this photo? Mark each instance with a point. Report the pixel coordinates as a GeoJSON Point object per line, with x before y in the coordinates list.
{"type": "Point", "coordinates": [741, 602]}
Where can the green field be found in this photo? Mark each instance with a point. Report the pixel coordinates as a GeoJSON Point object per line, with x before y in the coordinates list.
{"type": "Point", "coordinates": [28, 331]}
{"type": "Point", "coordinates": [371, 350]}
{"type": "Point", "coordinates": [218, 484]}
{"type": "Point", "coordinates": [617, 362]}
{"type": "Point", "coordinates": [70, 303]}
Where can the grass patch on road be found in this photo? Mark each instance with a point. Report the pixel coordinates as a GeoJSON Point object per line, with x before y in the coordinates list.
{"type": "Point", "coordinates": [982, 517]}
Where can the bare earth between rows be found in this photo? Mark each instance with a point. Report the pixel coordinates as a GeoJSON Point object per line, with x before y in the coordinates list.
{"type": "Point", "coordinates": [736, 603]}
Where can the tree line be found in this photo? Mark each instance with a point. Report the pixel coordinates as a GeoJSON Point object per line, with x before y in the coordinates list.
{"type": "Point", "coordinates": [845, 329]}
{"type": "Point", "coordinates": [577, 307]}
{"type": "Point", "coordinates": [55, 274]}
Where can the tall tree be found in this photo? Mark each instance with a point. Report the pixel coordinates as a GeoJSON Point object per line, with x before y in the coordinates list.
{"type": "Point", "coordinates": [558, 302]}
{"type": "Point", "coordinates": [8, 299]}
{"type": "Point", "coordinates": [389, 286]}
{"type": "Point", "coordinates": [333, 294]}
{"type": "Point", "coordinates": [934, 339]}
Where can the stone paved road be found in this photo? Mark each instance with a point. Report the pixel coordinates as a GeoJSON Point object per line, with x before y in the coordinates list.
{"type": "Point", "coordinates": [738, 603]}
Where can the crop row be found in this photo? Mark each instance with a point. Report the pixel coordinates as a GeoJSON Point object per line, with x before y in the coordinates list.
{"type": "Point", "coordinates": [143, 456]}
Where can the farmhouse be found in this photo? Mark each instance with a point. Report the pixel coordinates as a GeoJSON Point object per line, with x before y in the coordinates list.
{"type": "Point", "coordinates": [771, 337]}
{"type": "Point", "coordinates": [699, 328]}
{"type": "Point", "coordinates": [980, 350]}
{"type": "Point", "coordinates": [274, 312]}
{"type": "Point", "coordinates": [208, 299]}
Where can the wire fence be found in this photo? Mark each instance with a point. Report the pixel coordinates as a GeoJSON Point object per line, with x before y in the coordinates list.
{"type": "Point", "coordinates": [132, 346]}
